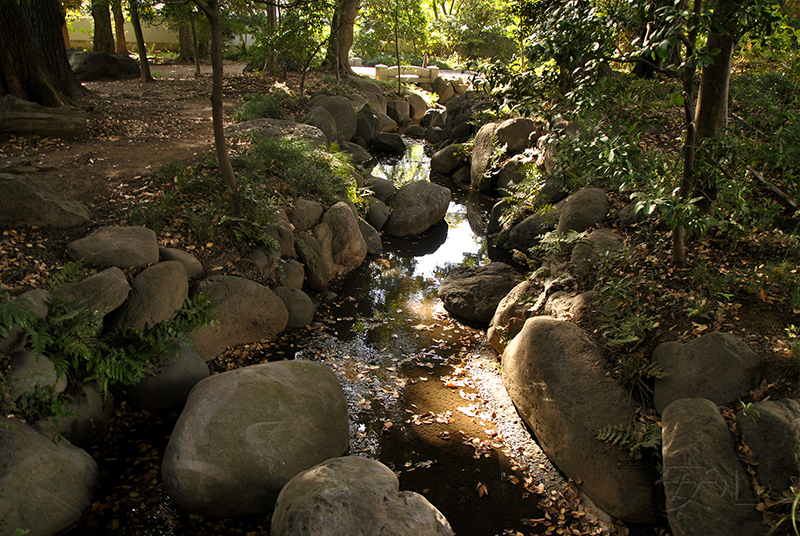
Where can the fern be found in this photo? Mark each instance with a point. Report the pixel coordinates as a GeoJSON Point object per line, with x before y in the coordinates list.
{"type": "Point", "coordinates": [633, 439]}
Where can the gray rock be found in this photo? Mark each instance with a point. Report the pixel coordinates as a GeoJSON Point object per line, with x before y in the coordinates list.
{"type": "Point", "coordinates": [772, 431]}
{"type": "Point", "coordinates": [399, 110]}
{"type": "Point", "coordinates": [526, 233]}
{"type": "Point", "coordinates": [343, 113]}
{"type": "Point", "coordinates": [589, 249]}
{"type": "Point", "coordinates": [460, 111]}
{"type": "Point", "coordinates": [102, 292]}
{"type": "Point", "coordinates": [377, 213]}
{"type": "Point", "coordinates": [277, 128]}
{"type": "Point", "coordinates": [93, 411]}
{"type": "Point", "coordinates": [89, 66]}
{"type": "Point", "coordinates": [27, 371]}
{"type": "Point", "coordinates": [245, 312]}
{"type": "Point", "coordinates": [245, 433]}
{"type": "Point", "coordinates": [301, 308]}
{"type": "Point", "coordinates": [387, 123]}
{"type": "Point", "coordinates": [368, 124]}
{"type": "Point", "coordinates": [512, 172]}
{"type": "Point", "coordinates": [628, 215]}
{"type": "Point", "coordinates": [514, 305]}
{"type": "Point", "coordinates": [387, 142]}
{"type": "Point", "coordinates": [708, 491]}
{"type": "Point", "coordinates": [377, 101]}
{"type": "Point", "coordinates": [556, 378]}
{"type": "Point", "coordinates": [717, 366]}
{"type": "Point", "coordinates": [444, 89]}
{"type": "Point", "coordinates": [371, 238]}
{"type": "Point", "coordinates": [339, 237]}
{"type": "Point", "coordinates": [473, 292]}
{"type": "Point", "coordinates": [364, 84]}
{"type": "Point", "coordinates": [415, 131]}
{"type": "Point", "coordinates": [44, 485]}
{"type": "Point", "coordinates": [582, 210]}
{"type": "Point", "coordinates": [357, 100]}
{"type": "Point", "coordinates": [266, 260]}
{"type": "Point", "coordinates": [123, 247]}
{"type": "Point", "coordinates": [382, 188]}
{"type": "Point", "coordinates": [281, 230]}
{"type": "Point", "coordinates": [461, 175]}
{"type": "Point", "coordinates": [416, 207]}
{"type": "Point", "coordinates": [310, 254]}
{"type": "Point", "coordinates": [357, 153]}
{"type": "Point", "coordinates": [322, 119]}
{"type": "Point", "coordinates": [519, 133]}
{"type": "Point", "coordinates": [482, 151]}
{"type": "Point", "coordinates": [31, 201]}
{"type": "Point", "coordinates": [563, 303]}
{"type": "Point", "coordinates": [435, 135]}
{"type": "Point", "coordinates": [292, 274]}
{"type": "Point", "coordinates": [157, 295]}
{"type": "Point", "coordinates": [305, 215]}
{"type": "Point", "coordinates": [36, 301]}
{"type": "Point", "coordinates": [173, 379]}
{"type": "Point", "coordinates": [353, 495]}
{"type": "Point", "coordinates": [417, 106]}
{"type": "Point", "coordinates": [433, 118]}
{"type": "Point", "coordinates": [193, 266]}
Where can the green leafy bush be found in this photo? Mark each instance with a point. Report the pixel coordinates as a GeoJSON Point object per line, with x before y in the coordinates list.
{"type": "Point", "coordinates": [276, 105]}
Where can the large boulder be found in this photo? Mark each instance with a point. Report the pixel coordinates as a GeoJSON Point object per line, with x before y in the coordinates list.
{"type": "Point", "coordinates": [717, 366]}
{"type": "Point", "coordinates": [310, 253]}
{"type": "Point", "coordinates": [277, 128]}
{"type": "Point", "coordinates": [368, 124]}
{"type": "Point", "coordinates": [388, 142]}
{"type": "Point", "coordinates": [193, 266]}
{"type": "Point", "coordinates": [377, 212]}
{"type": "Point", "coordinates": [444, 89]}
{"type": "Point", "coordinates": [510, 314]}
{"type": "Point", "coordinates": [512, 172]}
{"type": "Point", "coordinates": [245, 312]}
{"type": "Point", "coordinates": [292, 274]}
{"type": "Point", "coordinates": [343, 113]}
{"type": "Point", "coordinates": [27, 370]}
{"type": "Point", "coordinates": [91, 414]}
{"type": "Point", "coordinates": [281, 231]}
{"type": "Point", "coordinates": [582, 210]}
{"type": "Point", "coordinates": [449, 159]}
{"type": "Point", "coordinates": [172, 380]}
{"type": "Point", "coordinates": [526, 233]}
{"type": "Point", "coordinates": [382, 189]}
{"type": "Point", "coordinates": [356, 152]}
{"type": "Point", "coordinates": [89, 66]}
{"type": "Point", "coordinates": [322, 119]}
{"type": "Point", "coordinates": [245, 433]}
{"type": "Point", "coordinates": [301, 308]}
{"type": "Point", "coordinates": [708, 491]}
{"type": "Point", "coordinates": [31, 201]}
{"type": "Point", "coordinates": [399, 110]}
{"type": "Point", "coordinates": [371, 238]}
{"type": "Point", "coordinates": [482, 151]}
{"type": "Point", "coordinates": [353, 495]}
{"type": "Point", "coordinates": [377, 101]}
{"type": "Point", "coordinates": [34, 301]}
{"type": "Point", "coordinates": [102, 292]}
{"type": "Point", "coordinates": [44, 485]}
{"type": "Point", "coordinates": [519, 133]}
{"type": "Point", "coordinates": [157, 295]}
{"type": "Point", "coordinates": [123, 247]}
{"type": "Point", "coordinates": [416, 207]}
{"type": "Point", "coordinates": [556, 378]}
{"type": "Point", "coordinates": [418, 106]}
{"type": "Point", "coordinates": [772, 431]}
{"type": "Point", "coordinates": [473, 292]}
{"type": "Point", "coordinates": [305, 215]}
{"type": "Point", "coordinates": [589, 249]}
{"type": "Point", "coordinates": [340, 239]}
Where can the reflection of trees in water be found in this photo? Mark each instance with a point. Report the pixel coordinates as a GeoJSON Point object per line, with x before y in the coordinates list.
{"type": "Point", "coordinates": [414, 166]}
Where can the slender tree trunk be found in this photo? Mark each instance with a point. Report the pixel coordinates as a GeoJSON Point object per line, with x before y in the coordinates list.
{"type": "Point", "coordinates": [690, 141]}
{"type": "Point", "coordinates": [103, 36]}
{"type": "Point", "coordinates": [65, 35]}
{"type": "Point", "coordinates": [211, 10]}
{"type": "Point", "coordinates": [119, 27]}
{"type": "Point", "coordinates": [20, 71]}
{"type": "Point", "coordinates": [195, 47]}
{"type": "Point", "coordinates": [184, 43]}
{"type": "Point", "coordinates": [271, 62]}
{"type": "Point", "coordinates": [397, 46]}
{"type": "Point", "coordinates": [46, 20]}
{"type": "Point", "coordinates": [712, 100]}
{"type": "Point", "coordinates": [144, 65]}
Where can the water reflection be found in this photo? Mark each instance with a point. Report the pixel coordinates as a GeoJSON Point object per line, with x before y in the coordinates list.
{"type": "Point", "coordinates": [414, 165]}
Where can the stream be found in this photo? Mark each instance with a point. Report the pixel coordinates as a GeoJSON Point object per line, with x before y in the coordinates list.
{"type": "Point", "coordinates": [424, 393]}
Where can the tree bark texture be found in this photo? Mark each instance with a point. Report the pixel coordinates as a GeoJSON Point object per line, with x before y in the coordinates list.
{"type": "Point", "coordinates": [342, 24]}
{"type": "Point", "coordinates": [20, 72]}
{"type": "Point", "coordinates": [195, 47]}
{"type": "Point", "coordinates": [712, 101]}
{"type": "Point", "coordinates": [211, 10]}
{"type": "Point", "coordinates": [46, 20]}
{"type": "Point", "coordinates": [144, 65]}
{"type": "Point", "coordinates": [185, 43]}
{"type": "Point", "coordinates": [119, 27]}
{"type": "Point", "coordinates": [103, 36]}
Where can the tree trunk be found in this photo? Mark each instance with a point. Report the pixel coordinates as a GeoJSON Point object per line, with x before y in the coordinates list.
{"type": "Point", "coordinates": [103, 37]}
{"type": "Point", "coordinates": [185, 43]}
{"type": "Point", "coordinates": [119, 27]}
{"type": "Point", "coordinates": [144, 65]}
{"type": "Point", "coordinates": [211, 10]}
{"type": "Point", "coordinates": [195, 47]}
{"type": "Point", "coordinates": [20, 73]}
{"type": "Point", "coordinates": [342, 24]}
{"type": "Point", "coordinates": [712, 101]}
{"type": "Point", "coordinates": [65, 35]}
{"type": "Point", "coordinates": [45, 20]}
{"type": "Point", "coordinates": [271, 62]}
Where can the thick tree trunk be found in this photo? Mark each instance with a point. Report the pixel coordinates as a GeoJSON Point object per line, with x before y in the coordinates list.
{"type": "Point", "coordinates": [45, 20]}
{"type": "Point", "coordinates": [185, 43]}
{"type": "Point", "coordinates": [271, 62]}
{"type": "Point", "coordinates": [20, 72]}
{"type": "Point", "coordinates": [144, 65]}
{"type": "Point", "coordinates": [119, 28]}
{"type": "Point", "coordinates": [103, 36]}
{"type": "Point", "coordinates": [211, 10]}
{"type": "Point", "coordinates": [65, 35]}
{"type": "Point", "coordinates": [342, 24]}
{"type": "Point", "coordinates": [712, 101]}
